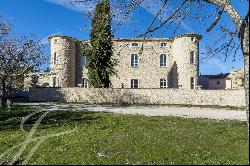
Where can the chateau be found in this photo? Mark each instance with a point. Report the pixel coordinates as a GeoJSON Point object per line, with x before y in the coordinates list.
{"type": "Point", "coordinates": [142, 63]}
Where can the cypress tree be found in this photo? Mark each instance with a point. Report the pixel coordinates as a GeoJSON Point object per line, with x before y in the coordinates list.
{"type": "Point", "coordinates": [101, 65]}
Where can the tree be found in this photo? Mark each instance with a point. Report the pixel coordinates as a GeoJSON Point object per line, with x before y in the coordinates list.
{"type": "Point", "coordinates": [18, 55]}
{"type": "Point", "coordinates": [101, 66]}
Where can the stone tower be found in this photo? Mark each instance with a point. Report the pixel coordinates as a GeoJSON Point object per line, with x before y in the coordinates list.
{"type": "Point", "coordinates": [185, 51]}
{"type": "Point", "coordinates": [63, 61]}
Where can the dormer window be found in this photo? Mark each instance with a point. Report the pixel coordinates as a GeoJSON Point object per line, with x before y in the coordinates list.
{"type": "Point", "coordinates": [163, 44]}
{"type": "Point", "coordinates": [135, 45]}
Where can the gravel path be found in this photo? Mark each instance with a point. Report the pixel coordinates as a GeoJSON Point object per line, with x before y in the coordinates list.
{"type": "Point", "coordinates": [189, 112]}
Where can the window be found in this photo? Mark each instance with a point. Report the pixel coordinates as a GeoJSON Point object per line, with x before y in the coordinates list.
{"type": "Point", "coordinates": [54, 81]}
{"type": "Point", "coordinates": [85, 83]}
{"type": "Point", "coordinates": [55, 58]}
{"type": "Point", "coordinates": [134, 83]}
{"type": "Point", "coordinates": [34, 79]}
{"type": "Point", "coordinates": [135, 45]}
{"type": "Point", "coordinates": [192, 82]}
{"type": "Point", "coordinates": [218, 83]}
{"type": "Point", "coordinates": [134, 60]}
{"type": "Point", "coordinates": [163, 83]}
{"type": "Point", "coordinates": [163, 44]}
{"type": "Point", "coordinates": [84, 61]}
{"type": "Point", "coordinates": [192, 39]}
{"type": "Point", "coordinates": [192, 57]}
{"type": "Point", "coordinates": [163, 60]}
{"type": "Point", "coordinates": [56, 40]}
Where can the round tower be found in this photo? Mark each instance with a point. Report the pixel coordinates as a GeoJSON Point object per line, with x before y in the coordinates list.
{"type": "Point", "coordinates": [63, 61]}
{"type": "Point", "coordinates": [185, 50]}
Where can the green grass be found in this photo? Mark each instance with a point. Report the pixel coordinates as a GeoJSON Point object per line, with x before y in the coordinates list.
{"type": "Point", "coordinates": [105, 138]}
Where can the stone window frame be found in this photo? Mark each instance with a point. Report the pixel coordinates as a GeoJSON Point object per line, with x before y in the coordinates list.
{"type": "Point", "coordinates": [134, 45]}
{"type": "Point", "coordinates": [163, 83]}
{"type": "Point", "coordinates": [56, 61]}
{"type": "Point", "coordinates": [56, 41]}
{"type": "Point", "coordinates": [134, 83]}
{"type": "Point", "coordinates": [55, 81]}
{"type": "Point", "coordinates": [193, 39]}
{"type": "Point", "coordinates": [192, 57]}
{"type": "Point", "coordinates": [163, 60]}
{"type": "Point", "coordinates": [163, 44]}
{"type": "Point", "coordinates": [134, 60]}
{"type": "Point", "coordinates": [85, 83]}
{"type": "Point", "coordinates": [192, 85]}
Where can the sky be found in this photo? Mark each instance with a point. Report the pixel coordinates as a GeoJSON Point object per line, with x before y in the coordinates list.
{"type": "Point", "coordinates": [49, 17]}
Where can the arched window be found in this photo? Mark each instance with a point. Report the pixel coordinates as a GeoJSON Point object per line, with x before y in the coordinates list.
{"type": "Point", "coordinates": [55, 58]}
{"type": "Point", "coordinates": [134, 60]}
{"type": "Point", "coordinates": [192, 57]}
{"type": "Point", "coordinates": [163, 60]}
{"type": "Point", "coordinates": [163, 83]}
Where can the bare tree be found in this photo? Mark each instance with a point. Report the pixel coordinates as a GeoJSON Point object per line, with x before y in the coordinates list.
{"type": "Point", "coordinates": [18, 55]}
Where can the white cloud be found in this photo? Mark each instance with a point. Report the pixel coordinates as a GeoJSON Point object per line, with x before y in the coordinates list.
{"type": "Point", "coordinates": [151, 6]}
{"type": "Point", "coordinates": [85, 7]}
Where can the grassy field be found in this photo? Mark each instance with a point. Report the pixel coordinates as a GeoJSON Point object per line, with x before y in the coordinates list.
{"type": "Point", "coordinates": [105, 138]}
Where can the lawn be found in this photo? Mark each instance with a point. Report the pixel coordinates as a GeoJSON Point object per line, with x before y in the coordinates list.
{"type": "Point", "coordinates": [106, 138]}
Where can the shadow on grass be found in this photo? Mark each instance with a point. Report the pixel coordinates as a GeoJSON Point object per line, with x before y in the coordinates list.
{"type": "Point", "coordinates": [11, 119]}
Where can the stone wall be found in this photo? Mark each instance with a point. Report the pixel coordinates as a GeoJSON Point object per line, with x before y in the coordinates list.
{"type": "Point", "coordinates": [146, 96]}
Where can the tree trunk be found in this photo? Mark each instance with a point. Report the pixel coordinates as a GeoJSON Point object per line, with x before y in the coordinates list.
{"type": "Point", "coordinates": [3, 97]}
{"type": "Point", "coordinates": [245, 48]}
{"type": "Point", "coordinates": [4, 102]}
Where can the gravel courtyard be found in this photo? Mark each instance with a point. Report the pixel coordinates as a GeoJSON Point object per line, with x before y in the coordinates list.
{"type": "Point", "coordinates": [188, 112]}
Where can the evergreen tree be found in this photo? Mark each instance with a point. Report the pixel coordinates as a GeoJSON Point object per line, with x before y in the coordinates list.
{"type": "Point", "coordinates": [101, 65]}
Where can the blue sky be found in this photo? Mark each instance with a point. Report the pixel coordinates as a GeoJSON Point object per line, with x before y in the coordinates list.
{"type": "Point", "coordinates": [47, 17]}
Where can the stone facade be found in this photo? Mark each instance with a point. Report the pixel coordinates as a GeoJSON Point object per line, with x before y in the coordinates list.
{"type": "Point", "coordinates": [37, 79]}
{"type": "Point", "coordinates": [68, 69]}
{"type": "Point", "coordinates": [141, 96]}
{"type": "Point", "coordinates": [237, 79]}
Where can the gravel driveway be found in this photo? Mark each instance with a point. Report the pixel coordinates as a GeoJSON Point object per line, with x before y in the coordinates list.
{"type": "Point", "coordinates": [189, 112]}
